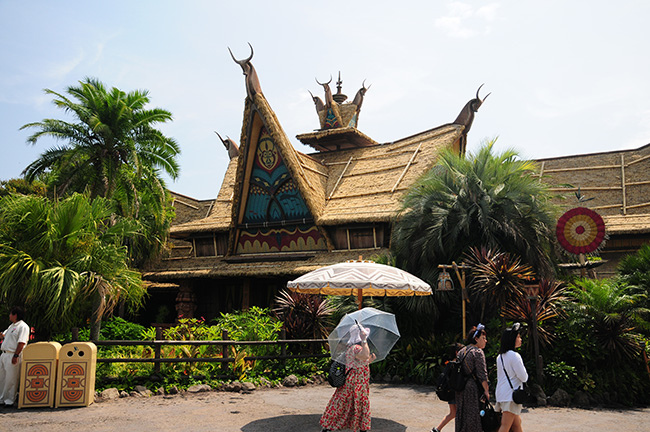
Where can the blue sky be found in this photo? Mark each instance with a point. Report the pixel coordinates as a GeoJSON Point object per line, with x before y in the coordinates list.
{"type": "Point", "coordinates": [567, 77]}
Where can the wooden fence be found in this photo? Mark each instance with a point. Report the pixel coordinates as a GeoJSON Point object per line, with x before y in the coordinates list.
{"type": "Point", "coordinates": [225, 344]}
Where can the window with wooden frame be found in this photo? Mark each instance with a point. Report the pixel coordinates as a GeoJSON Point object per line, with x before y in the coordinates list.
{"type": "Point", "coordinates": [360, 237]}
{"type": "Point", "coordinates": [215, 245]}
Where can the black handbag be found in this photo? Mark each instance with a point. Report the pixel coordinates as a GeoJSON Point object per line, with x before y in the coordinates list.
{"type": "Point", "coordinates": [519, 395]}
{"type": "Point", "coordinates": [337, 374]}
{"type": "Point", "coordinates": [490, 419]}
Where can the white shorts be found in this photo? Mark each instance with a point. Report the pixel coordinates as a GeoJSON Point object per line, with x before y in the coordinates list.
{"type": "Point", "coordinates": [509, 406]}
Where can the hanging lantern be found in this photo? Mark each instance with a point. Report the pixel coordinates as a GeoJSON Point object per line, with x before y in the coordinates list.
{"type": "Point", "coordinates": [444, 281]}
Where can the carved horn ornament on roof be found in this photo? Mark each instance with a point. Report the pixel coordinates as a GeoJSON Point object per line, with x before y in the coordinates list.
{"type": "Point", "coordinates": [358, 98]}
{"type": "Point", "coordinates": [466, 116]}
{"type": "Point", "coordinates": [317, 101]}
{"type": "Point", "coordinates": [329, 99]}
{"type": "Point", "coordinates": [231, 146]}
{"type": "Point", "coordinates": [252, 81]}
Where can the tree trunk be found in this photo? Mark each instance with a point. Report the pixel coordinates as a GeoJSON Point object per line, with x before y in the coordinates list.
{"type": "Point", "coordinates": [96, 318]}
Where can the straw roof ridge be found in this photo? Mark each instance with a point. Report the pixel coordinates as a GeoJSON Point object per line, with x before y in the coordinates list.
{"type": "Point", "coordinates": [611, 152]}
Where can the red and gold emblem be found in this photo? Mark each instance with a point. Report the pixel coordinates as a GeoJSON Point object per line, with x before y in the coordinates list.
{"type": "Point", "coordinates": [580, 230]}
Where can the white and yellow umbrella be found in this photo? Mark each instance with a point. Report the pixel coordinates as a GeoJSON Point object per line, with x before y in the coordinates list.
{"type": "Point", "coordinates": [360, 278]}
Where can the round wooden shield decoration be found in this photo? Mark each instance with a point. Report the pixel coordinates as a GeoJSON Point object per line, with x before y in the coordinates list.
{"type": "Point", "coordinates": [580, 230]}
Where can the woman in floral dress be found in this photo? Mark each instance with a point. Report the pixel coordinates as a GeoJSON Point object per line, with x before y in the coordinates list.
{"type": "Point", "coordinates": [349, 407]}
{"type": "Point", "coordinates": [476, 387]}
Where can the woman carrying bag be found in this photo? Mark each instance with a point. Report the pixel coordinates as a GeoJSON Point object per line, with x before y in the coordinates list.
{"type": "Point", "coordinates": [349, 407]}
{"type": "Point", "coordinates": [511, 375]}
{"type": "Point", "coordinates": [468, 418]}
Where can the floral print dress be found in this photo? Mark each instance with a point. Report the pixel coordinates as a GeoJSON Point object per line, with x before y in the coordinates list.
{"type": "Point", "coordinates": [349, 407]}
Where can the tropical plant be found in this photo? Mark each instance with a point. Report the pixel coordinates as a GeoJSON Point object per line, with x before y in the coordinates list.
{"type": "Point", "coordinates": [608, 309]}
{"type": "Point", "coordinates": [113, 142]}
{"type": "Point", "coordinates": [303, 315]}
{"type": "Point", "coordinates": [497, 277]}
{"type": "Point", "coordinates": [635, 271]}
{"type": "Point", "coordinates": [112, 150]}
{"type": "Point", "coordinates": [58, 257]}
{"type": "Point", "coordinates": [484, 199]}
{"type": "Point", "coordinates": [548, 305]}
{"type": "Point", "coordinates": [23, 187]}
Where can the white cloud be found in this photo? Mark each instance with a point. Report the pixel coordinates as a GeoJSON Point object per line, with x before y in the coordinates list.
{"type": "Point", "coordinates": [463, 21]}
{"type": "Point", "coordinates": [58, 71]}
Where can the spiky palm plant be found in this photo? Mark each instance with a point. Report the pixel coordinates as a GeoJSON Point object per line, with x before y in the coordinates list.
{"type": "Point", "coordinates": [497, 277]}
{"type": "Point", "coordinates": [304, 315]}
{"type": "Point", "coordinates": [549, 302]}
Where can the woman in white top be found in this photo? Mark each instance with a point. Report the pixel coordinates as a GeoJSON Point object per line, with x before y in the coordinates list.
{"type": "Point", "coordinates": [514, 365]}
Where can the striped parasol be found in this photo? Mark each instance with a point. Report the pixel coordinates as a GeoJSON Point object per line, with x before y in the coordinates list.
{"type": "Point", "coordinates": [360, 278]}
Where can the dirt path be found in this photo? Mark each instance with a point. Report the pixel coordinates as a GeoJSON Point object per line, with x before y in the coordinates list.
{"type": "Point", "coordinates": [394, 409]}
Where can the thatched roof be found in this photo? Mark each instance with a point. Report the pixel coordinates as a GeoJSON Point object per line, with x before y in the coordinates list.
{"type": "Point", "coordinates": [219, 215]}
{"type": "Point", "coordinates": [615, 184]}
{"type": "Point", "coordinates": [365, 184]}
{"type": "Point", "coordinates": [257, 266]}
{"type": "Point", "coordinates": [362, 184]}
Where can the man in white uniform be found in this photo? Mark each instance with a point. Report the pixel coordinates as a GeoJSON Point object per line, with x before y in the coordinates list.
{"type": "Point", "coordinates": [14, 340]}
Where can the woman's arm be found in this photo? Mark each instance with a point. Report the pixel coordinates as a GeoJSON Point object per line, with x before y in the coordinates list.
{"type": "Point", "coordinates": [486, 390]}
{"type": "Point", "coordinates": [518, 367]}
{"type": "Point", "coordinates": [364, 355]}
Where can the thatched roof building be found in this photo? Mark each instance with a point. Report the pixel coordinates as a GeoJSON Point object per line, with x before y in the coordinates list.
{"type": "Point", "coordinates": [281, 213]}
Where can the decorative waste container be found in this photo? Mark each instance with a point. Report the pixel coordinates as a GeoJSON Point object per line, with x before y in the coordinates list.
{"type": "Point", "coordinates": [38, 375]}
{"type": "Point", "coordinates": [76, 375]}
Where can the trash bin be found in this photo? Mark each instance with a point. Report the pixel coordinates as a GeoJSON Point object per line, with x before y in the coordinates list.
{"type": "Point", "coordinates": [38, 375]}
{"type": "Point", "coordinates": [75, 379]}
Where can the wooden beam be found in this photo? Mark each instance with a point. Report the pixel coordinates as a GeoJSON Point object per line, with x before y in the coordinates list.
{"type": "Point", "coordinates": [406, 168]}
{"type": "Point", "coordinates": [340, 177]}
{"type": "Point", "coordinates": [623, 183]}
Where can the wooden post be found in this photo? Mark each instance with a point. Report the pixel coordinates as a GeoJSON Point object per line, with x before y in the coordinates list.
{"type": "Point", "coordinates": [224, 352]}
{"type": "Point", "coordinates": [157, 349]}
{"type": "Point", "coordinates": [460, 274]}
{"type": "Point", "coordinates": [283, 347]}
{"type": "Point", "coordinates": [463, 294]}
{"type": "Point", "coordinates": [75, 334]}
{"type": "Point", "coordinates": [583, 265]}
{"type": "Point", "coordinates": [246, 294]}
{"type": "Point", "coordinates": [360, 290]}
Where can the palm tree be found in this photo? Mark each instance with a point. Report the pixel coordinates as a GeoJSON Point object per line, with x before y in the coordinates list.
{"type": "Point", "coordinates": [484, 199]}
{"type": "Point", "coordinates": [112, 151]}
{"type": "Point", "coordinates": [608, 309]}
{"type": "Point", "coordinates": [112, 143]}
{"type": "Point", "coordinates": [60, 259]}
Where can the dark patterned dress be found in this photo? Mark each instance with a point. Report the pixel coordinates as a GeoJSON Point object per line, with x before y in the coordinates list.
{"type": "Point", "coordinates": [349, 407]}
{"type": "Point", "coordinates": [467, 401]}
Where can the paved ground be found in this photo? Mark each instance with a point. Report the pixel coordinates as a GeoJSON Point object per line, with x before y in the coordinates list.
{"type": "Point", "coordinates": [394, 409]}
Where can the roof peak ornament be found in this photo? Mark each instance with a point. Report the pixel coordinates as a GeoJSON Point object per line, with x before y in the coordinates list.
{"type": "Point", "coordinates": [339, 97]}
{"type": "Point", "coordinates": [466, 116]}
{"type": "Point", "coordinates": [334, 112]}
{"type": "Point", "coordinates": [252, 81]}
{"type": "Point", "coordinates": [231, 146]}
